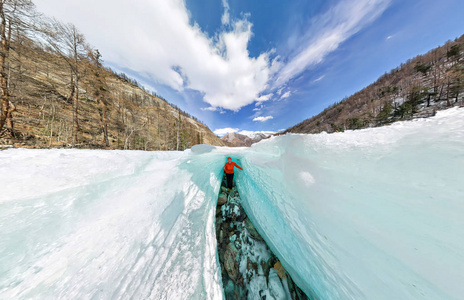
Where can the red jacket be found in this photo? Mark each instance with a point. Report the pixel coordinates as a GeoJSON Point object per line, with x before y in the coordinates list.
{"type": "Point", "coordinates": [229, 168]}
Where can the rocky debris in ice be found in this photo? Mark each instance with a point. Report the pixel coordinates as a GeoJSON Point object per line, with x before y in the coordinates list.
{"type": "Point", "coordinates": [222, 199]}
{"type": "Point", "coordinates": [230, 261]}
{"type": "Point", "coordinates": [249, 269]}
{"type": "Point", "coordinates": [252, 230]}
{"type": "Point", "coordinates": [233, 211]}
{"type": "Point", "coordinates": [280, 269]}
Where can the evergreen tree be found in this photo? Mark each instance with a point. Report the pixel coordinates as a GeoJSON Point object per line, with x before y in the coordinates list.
{"type": "Point", "coordinates": [385, 113]}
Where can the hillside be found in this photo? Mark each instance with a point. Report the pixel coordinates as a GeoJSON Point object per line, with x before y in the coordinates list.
{"type": "Point", "coordinates": [60, 96]}
{"type": "Point", "coordinates": [418, 88]}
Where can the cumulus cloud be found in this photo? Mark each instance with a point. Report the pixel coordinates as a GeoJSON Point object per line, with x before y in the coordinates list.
{"type": "Point", "coordinates": [286, 95]}
{"type": "Point", "coordinates": [163, 43]}
{"type": "Point", "coordinates": [263, 98]}
{"type": "Point", "coordinates": [263, 119]}
{"type": "Point", "coordinates": [223, 131]}
{"type": "Point", "coordinates": [210, 108]}
{"type": "Point", "coordinates": [327, 32]}
{"type": "Point", "coordinates": [225, 19]}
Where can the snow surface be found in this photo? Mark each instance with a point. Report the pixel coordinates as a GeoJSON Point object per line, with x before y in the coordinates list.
{"type": "Point", "coordinates": [367, 214]}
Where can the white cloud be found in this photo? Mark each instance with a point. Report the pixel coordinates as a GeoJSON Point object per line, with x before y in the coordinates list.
{"type": "Point", "coordinates": [223, 131]}
{"type": "Point", "coordinates": [319, 79]}
{"type": "Point", "coordinates": [327, 32]}
{"type": "Point", "coordinates": [286, 95]}
{"type": "Point", "coordinates": [263, 98]}
{"type": "Point", "coordinates": [225, 19]}
{"type": "Point", "coordinates": [162, 42]}
{"type": "Point", "coordinates": [258, 106]}
{"type": "Point", "coordinates": [263, 119]}
{"type": "Point", "coordinates": [210, 108]}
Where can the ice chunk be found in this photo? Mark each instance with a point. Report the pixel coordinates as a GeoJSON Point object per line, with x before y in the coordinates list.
{"type": "Point", "coordinates": [108, 224]}
{"type": "Point", "coordinates": [380, 215]}
{"type": "Point", "coordinates": [202, 148]}
{"type": "Point", "coordinates": [257, 288]}
{"type": "Point", "coordinates": [275, 286]}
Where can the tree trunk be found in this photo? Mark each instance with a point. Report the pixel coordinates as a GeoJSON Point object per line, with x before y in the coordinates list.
{"type": "Point", "coordinates": [448, 103]}
{"type": "Point", "coordinates": [9, 117]}
{"type": "Point", "coordinates": [440, 94]}
{"type": "Point", "coordinates": [177, 140]}
{"type": "Point", "coordinates": [75, 113]}
{"type": "Point", "coordinates": [103, 121]}
{"type": "Point", "coordinates": [3, 75]}
{"type": "Point", "coordinates": [105, 125]}
{"type": "Point", "coordinates": [71, 98]}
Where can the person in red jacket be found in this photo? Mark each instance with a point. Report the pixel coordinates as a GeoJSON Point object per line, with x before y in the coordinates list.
{"type": "Point", "coordinates": [229, 169]}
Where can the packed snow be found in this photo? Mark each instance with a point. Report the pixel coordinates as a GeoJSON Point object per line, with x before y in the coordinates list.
{"type": "Point", "coordinates": [367, 214]}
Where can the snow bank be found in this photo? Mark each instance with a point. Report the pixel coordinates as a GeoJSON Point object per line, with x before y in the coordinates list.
{"type": "Point", "coordinates": [369, 214]}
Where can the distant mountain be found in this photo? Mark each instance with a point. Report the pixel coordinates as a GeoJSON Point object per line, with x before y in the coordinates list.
{"type": "Point", "coordinates": [233, 139]}
{"type": "Point", "coordinates": [417, 88]}
{"type": "Point", "coordinates": [246, 139]}
{"type": "Point", "coordinates": [257, 136]}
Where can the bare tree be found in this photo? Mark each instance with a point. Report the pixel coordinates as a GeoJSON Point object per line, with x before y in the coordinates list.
{"type": "Point", "coordinates": [179, 125]}
{"type": "Point", "coordinates": [70, 45]}
{"type": "Point", "coordinates": [11, 14]}
{"type": "Point", "coordinates": [100, 91]}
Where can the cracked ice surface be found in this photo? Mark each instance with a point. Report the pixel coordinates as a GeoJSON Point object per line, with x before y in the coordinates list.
{"type": "Point", "coordinates": [367, 214]}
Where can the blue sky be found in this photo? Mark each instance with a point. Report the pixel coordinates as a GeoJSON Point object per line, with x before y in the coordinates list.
{"type": "Point", "coordinates": [259, 65]}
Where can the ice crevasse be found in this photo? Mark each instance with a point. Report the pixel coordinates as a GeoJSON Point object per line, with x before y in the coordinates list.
{"type": "Point", "coordinates": [367, 214]}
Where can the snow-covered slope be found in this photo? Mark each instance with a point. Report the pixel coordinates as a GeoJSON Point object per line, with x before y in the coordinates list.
{"type": "Point", "coordinates": [369, 214]}
{"type": "Point", "coordinates": [257, 136]}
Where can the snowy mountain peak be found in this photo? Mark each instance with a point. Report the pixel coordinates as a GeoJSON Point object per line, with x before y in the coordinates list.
{"type": "Point", "coordinates": [234, 139]}
{"type": "Point", "coordinates": [245, 138]}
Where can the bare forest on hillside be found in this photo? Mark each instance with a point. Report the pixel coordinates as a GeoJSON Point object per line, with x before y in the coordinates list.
{"type": "Point", "coordinates": [418, 88]}
{"type": "Point", "coordinates": [55, 92]}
